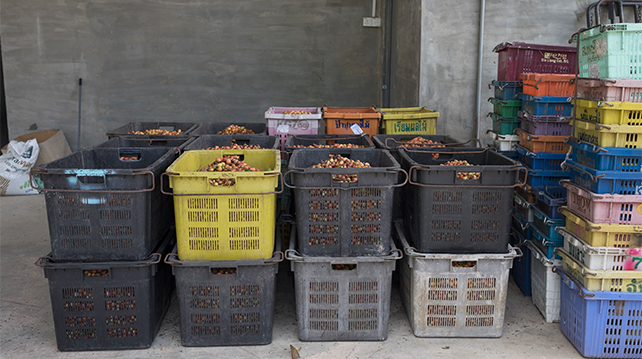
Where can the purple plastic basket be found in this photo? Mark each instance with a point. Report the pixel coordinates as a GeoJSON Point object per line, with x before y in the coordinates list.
{"type": "Point", "coordinates": [519, 57]}
{"type": "Point", "coordinates": [546, 125]}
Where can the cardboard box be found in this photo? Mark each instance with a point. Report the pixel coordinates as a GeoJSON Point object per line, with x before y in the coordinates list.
{"type": "Point", "coordinates": [53, 145]}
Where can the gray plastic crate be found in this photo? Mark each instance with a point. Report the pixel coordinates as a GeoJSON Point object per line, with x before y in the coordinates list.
{"type": "Point", "coordinates": [146, 141]}
{"type": "Point", "coordinates": [445, 298]}
{"type": "Point", "coordinates": [213, 128]}
{"type": "Point", "coordinates": [187, 129]}
{"type": "Point", "coordinates": [446, 214]}
{"type": "Point", "coordinates": [103, 208]}
{"type": "Point", "coordinates": [342, 299]}
{"type": "Point", "coordinates": [207, 141]}
{"type": "Point", "coordinates": [109, 305]}
{"type": "Point", "coordinates": [343, 219]}
{"type": "Point", "coordinates": [311, 140]}
{"type": "Point", "coordinates": [226, 302]}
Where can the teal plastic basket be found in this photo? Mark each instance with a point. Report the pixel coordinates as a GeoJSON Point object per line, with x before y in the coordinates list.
{"type": "Point", "coordinates": [611, 51]}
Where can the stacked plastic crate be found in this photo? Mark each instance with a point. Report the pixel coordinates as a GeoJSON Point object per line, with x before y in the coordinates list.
{"type": "Point", "coordinates": [540, 71]}
{"type": "Point", "coordinates": [110, 228]}
{"type": "Point", "coordinates": [457, 206]}
{"type": "Point", "coordinates": [602, 254]}
{"type": "Point", "coordinates": [341, 250]}
{"type": "Point", "coordinates": [226, 260]}
{"type": "Point", "coordinates": [504, 115]}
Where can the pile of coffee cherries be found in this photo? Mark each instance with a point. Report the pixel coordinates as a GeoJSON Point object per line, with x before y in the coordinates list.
{"type": "Point", "coordinates": [156, 131]}
{"type": "Point", "coordinates": [129, 158]}
{"type": "Point", "coordinates": [422, 142]}
{"type": "Point", "coordinates": [338, 161]}
{"type": "Point", "coordinates": [227, 163]}
{"type": "Point", "coordinates": [336, 145]}
{"type": "Point", "coordinates": [236, 130]}
{"type": "Point", "coordinates": [466, 176]}
{"type": "Point", "coordinates": [236, 146]}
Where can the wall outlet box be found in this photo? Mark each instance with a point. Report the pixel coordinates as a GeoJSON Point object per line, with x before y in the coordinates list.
{"type": "Point", "coordinates": [371, 22]}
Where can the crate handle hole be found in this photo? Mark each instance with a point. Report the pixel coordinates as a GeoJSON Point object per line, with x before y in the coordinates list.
{"type": "Point", "coordinates": [468, 176]}
{"type": "Point", "coordinates": [130, 158]}
{"type": "Point", "coordinates": [167, 128]}
{"type": "Point", "coordinates": [348, 178]}
{"type": "Point", "coordinates": [223, 271]}
{"type": "Point", "coordinates": [96, 272]}
{"type": "Point", "coordinates": [344, 266]}
{"type": "Point", "coordinates": [91, 179]}
{"type": "Point", "coordinates": [463, 264]}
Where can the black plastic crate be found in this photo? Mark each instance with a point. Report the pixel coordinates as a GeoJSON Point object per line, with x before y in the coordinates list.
{"type": "Point", "coordinates": [213, 128]}
{"type": "Point", "coordinates": [207, 141]}
{"type": "Point", "coordinates": [311, 140]}
{"type": "Point", "coordinates": [343, 219]}
{"type": "Point", "coordinates": [187, 129]}
{"type": "Point", "coordinates": [103, 208]}
{"type": "Point", "coordinates": [447, 214]}
{"type": "Point", "coordinates": [109, 305]}
{"type": "Point", "coordinates": [146, 142]}
{"type": "Point", "coordinates": [226, 302]}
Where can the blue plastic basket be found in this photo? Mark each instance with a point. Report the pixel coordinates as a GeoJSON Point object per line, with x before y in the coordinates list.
{"type": "Point", "coordinates": [544, 243]}
{"type": "Point", "coordinates": [513, 155]}
{"type": "Point", "coordinates": [538, 178]}
{"type": "Point", "coordinates": [506, 90]}
{"type": "Point", "coordinates": [600, 182]}
{"type": "Point", "coordinates": [550, 198]}
{"type": "Point", "coordinates": [521, 265]}
{"type": "Point", "coordinates": [540, 160]}
{"type": "Point", "coordinates": [606, 158]}
{"type": "Point", "coordinates": [521, 226]}
{"type": "Point", "coordinates": [600, 324]}
{"type": "Point", "coordinates": [547, 225]}
{"type": "Point", "coordinates": [546, 105]}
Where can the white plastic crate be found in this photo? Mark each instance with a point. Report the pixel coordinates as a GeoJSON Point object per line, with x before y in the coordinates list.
{"type": "Point", "coordinates": [594, 258]}
{"type": "Point", "coordinates": [545, 284]}
{"type": "Point", "coordinates": [504, 142]}
{"type": "Point", "coordinates": [445, 297]}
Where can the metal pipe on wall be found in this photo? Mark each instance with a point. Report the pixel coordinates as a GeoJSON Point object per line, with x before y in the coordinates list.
{"type": "Point", "coordinates": [480, 55]}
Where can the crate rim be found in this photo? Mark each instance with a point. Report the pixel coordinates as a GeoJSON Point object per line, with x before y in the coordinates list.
{"type": "Point", "coordinates": [578, 242]}
{"type": "Point", "coordinates": [593, 295]}
{"type": "Point", "coordinates": [597, 274]}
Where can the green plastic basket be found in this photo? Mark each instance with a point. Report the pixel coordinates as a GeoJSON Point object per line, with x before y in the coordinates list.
{"type": "Point", "coordinates": [506, 108]}
{"type": "Point", "coordinates": [611, 51]}
{"type": "Point", "coordinates": [504, 125]}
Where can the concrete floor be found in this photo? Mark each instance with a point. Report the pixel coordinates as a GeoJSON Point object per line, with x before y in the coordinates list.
{"type": "Point", "coordinates": [26, 322]}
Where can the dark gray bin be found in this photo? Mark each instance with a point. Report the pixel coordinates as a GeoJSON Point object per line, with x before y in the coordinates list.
{"type": "Point", "coordinates": [445, 214]}
{"type": "Point", "coordinates": [187, 128]}
{"type": "Point", "coordinates": [343, 219]}
{"type": "Point", "coordinates": [226, 309]}
{"type": "Point", "coordinates": [206, 141]}
{"type": "Point", "coordinates": [101, 208]}
{"type": "Point", "coordinates": [146, 142]}
{"type": "Point", "coordinates": [213, 128]}
{"type": "Point", "coordinates": [122, 309]}
{"type": "Point", "coordinates": [310, 140]}
{"type": "Point", "coordinates": [342, 299]}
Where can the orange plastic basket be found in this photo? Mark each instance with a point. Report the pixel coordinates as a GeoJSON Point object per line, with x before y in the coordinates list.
{"type": "Point", "coordinates": [339, 120]}
{"type": "Point", "coordinates": [547, 84]}
{"type": "Point", "coordinates": [542, 143]}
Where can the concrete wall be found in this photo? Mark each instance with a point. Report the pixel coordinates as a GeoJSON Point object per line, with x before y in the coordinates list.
{"type": "Point", "coordinates": [406, 57]}
{"type": "Point", "coordinates": [449, 48]}
{"type": "Point", "coordinates": [188, 60]}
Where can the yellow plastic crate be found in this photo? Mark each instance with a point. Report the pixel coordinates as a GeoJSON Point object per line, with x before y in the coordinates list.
{"type": "Point", "coordinates": [602, 234]}
{"type": "Point", "coordinates": [609, 113]}
{"type": "Point", "coordinates": [225, 223]}
{"type": "Point", "coordinates": [622, 136]}
{"type": "Point", "coordinates": [408, 120]}
{"type": "Point", "coordinates": [601, 280]}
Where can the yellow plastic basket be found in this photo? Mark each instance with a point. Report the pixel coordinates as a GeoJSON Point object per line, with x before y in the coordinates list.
{"type": "Point", "coordinates": [622, 136]}
{"type": "Point", "coordinates": [408, 120]}
{"type": "Point", "coordinates": [225, 223]}
{"type": "Point", "coordinates": [609, 113]}
{"type": "Point", "coordinates": [602, 280]}
{"type": "Point", "coordinates": [602, 234]}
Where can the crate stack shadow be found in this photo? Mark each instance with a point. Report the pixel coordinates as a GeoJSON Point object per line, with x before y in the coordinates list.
{"type": "Point", "coordinates": [110, 227]}
{"type": "Point", "coordinates": [601, 266]}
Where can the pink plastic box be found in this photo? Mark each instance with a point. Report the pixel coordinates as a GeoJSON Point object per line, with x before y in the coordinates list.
{"type": "Point", "coordinates": [281, 125]}
{"type": "Point", "coordinates": [604, 208]}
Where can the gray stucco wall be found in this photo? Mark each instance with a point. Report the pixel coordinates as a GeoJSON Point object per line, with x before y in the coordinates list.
{"type": "Point", "coordinates": [188, 61]}
{"type": "Point", "coordinates": [449, 48]}
{"type": "Point", "coordinates": [406, 57]}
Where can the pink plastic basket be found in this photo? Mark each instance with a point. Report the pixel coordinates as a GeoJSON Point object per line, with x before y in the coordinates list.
{"type": "Point", "coordinates": [518, 57]}
{"type": "Point", "coordinates": [609, 89]}
{"type": "Point", "coordinates": [604, 208]}
{"type": "Point", "coordinates": [281, 125]}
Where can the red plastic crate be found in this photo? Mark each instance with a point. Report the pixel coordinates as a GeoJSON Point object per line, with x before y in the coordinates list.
{"type": "Point", "coordinates": [519, 57]}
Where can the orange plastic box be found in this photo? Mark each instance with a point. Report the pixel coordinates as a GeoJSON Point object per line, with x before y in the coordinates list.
{"type": "Point", "coordinates": [547, 84]}
{"type": "Point", "coordinates": [339, 120]}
